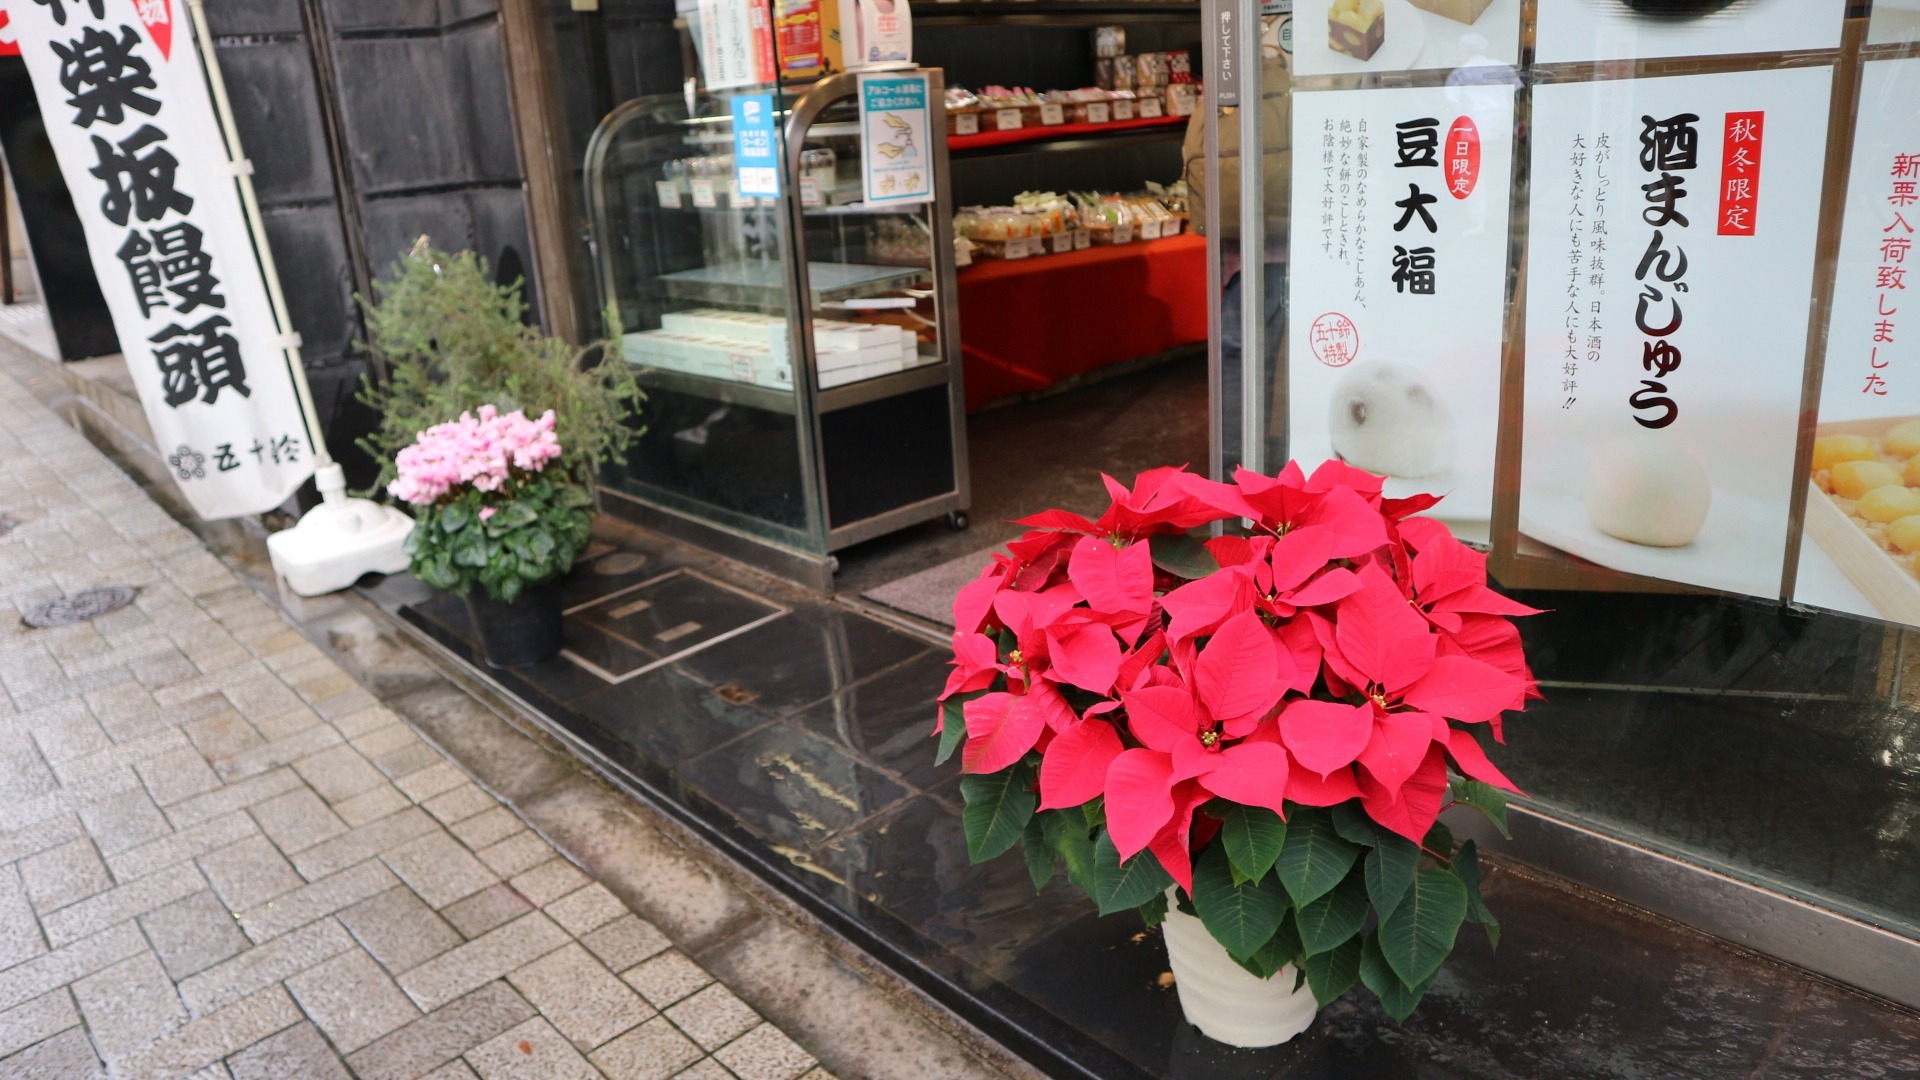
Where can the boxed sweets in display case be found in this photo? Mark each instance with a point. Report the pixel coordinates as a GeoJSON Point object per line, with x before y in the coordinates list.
{"type": "Point", "coordinates": [1357, 27]}
{"type": "Point", "coordinates": [1464, 11]}
{"type": "Point", "coordinates": [754, 347]}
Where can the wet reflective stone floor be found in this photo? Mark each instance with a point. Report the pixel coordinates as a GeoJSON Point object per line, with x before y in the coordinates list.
{"type": "Point", "coordinates": [793, 732]}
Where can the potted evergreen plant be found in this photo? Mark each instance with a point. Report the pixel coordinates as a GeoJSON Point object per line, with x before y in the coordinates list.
{"type": "Point", "coordinates": [1249, 738]}
{"type": "Point", "coordinates": [492, 433]}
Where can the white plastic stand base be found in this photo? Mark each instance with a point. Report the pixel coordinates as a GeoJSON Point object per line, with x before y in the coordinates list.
{"type": "Point", "coordinates": [339, 540]}
{"type": "Point", "coordinates": [1220, 998]}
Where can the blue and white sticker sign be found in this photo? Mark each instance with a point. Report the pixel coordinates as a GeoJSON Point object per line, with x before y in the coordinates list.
{"type": "Point", "coordinates": [896, 158]}
{"type": "Point", "coordinates": [756, 154]}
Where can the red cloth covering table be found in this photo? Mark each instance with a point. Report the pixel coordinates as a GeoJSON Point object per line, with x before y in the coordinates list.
{"type": "Point", "coordinates": [1026, 324]}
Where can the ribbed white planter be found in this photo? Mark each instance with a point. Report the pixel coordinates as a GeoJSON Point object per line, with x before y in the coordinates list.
{"type": "Point", "coordinates": [1220, 998]}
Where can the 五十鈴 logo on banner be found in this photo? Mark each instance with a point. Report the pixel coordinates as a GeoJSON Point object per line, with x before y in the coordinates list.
{"type": "Point", "coordinates": [131, 121]}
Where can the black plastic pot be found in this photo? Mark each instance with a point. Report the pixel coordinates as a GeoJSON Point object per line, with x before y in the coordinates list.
{"type": "Point", "coordinates": [519, 634]}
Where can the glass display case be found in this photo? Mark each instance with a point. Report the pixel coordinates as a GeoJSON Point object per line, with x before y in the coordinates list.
{"type": "Point", "coordinates": [799, 350]}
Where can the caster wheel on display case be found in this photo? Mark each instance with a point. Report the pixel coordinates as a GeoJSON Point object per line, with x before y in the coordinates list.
{"type": "Point", "coordinates": [957, 520]}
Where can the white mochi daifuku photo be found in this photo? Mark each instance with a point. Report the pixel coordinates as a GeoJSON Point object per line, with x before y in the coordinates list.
{"type": "Point", "coordinates": [1647, 490]}
{"type": "Point", "coordinates": [1389, 419]}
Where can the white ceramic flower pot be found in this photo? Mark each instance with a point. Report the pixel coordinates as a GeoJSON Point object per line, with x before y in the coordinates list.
{"type": "Point", "coordinates": [1220, 998]}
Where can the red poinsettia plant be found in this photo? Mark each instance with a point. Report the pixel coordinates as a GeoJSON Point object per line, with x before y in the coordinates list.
{"type": "Point", "coordinates": [1273, 718]}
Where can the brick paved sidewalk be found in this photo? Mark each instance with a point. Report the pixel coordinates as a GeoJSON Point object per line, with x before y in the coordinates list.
{"type": "Point", "coordinates": [221, 857]}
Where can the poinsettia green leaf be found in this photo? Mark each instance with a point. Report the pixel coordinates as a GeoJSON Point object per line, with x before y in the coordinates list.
{"type": "Point", "coordinates": [1466, 867]}
{"type": "Point", "coordinates": [1350, 820]}
{"type": "Point", "coordinates": [1182, 555]}
{"type": "Point", "coordinates": [1068, 837]}
{"type": "Point", "coordinates": [1333, 972]}
{"type": "Point", "coordinates": [1041, 861]}
{"type": "Point", "coordinates": [1417, 937]}
{"type": "Point", "coordinates": [1390, 870]}
{"type": "Point", "coordinates": [1485, 798]}
{"type": "Point", "coordinates": [1117, 887]}
{"type": "Point", "coordinates": [1331, 919]}
{"type": "Point", "coordinates": [998, 807]}
{"type": "Point", "coordinates": [1439, 841]}
{"type": "Point", "coordinates": [1396, 997]}
{"type": "Point", "coordinates": [953, 726]}
{"type": "Point", "coordinates": [1276, 953]}
{"type": "Point", "coordinates": [1241, 917]}
{"type": "Point", "coordinates": [1315, 857]}
{"type": "Point", "coordinates": [1253, 837]}
{"type": "Point", "coordinates": [1154, 911]}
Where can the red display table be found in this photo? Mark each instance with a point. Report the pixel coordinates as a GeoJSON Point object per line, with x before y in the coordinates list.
{"type": "Point", "coordinates": [1026, 324]}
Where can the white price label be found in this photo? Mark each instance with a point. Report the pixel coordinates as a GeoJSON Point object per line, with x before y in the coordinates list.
{"type": "Point", "coordinates": [1150, 108]}
{"type": "Point", "coordinates": [1150, 230]}
{"type": "Point", "coordinates": [967, 123]}
{"type": "Point", "coordinates": [1006, 119]}
{"type": "Point", "coordinates": [1098, 113]}
{"type": "Point", "coordinates": [1123, 234]}
{"type": "Point", "coordinates": [703, 196]}
{"type": "Point", "coordinates": [809, 191]}
{"type": "Point", "coordinates": [1052, 113]}
{"type": "Point", "coordinates": [1123, 110]}
{"type": "Point", "coordinates": [735, 197]}
{"type": "Point", "coordinates": [1062, 243]}
{"type": "Point", "coordinates": [669, 194]}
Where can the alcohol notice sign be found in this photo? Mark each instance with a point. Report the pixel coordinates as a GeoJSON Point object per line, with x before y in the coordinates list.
{"type": "Point", "coordinates": [132, 123]}
{"type": "Point", "coordinates": [896, 153]}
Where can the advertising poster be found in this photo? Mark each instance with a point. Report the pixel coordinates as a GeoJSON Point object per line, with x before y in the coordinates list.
{"type": "Point", "coordinates": [1400, 239]}
{"type": "Point", "coordinates": [756, 151]}
{"type": "Point", "coordinates": [1570, 31]}
{"type": "Point", "coordinates": [127, 110]}
{"type": "Point", "coordinates": [736, 43]}
{"type": "Point", "coordinates": [1863, 509]}
{"type": "Point", "coordinates": [1341, 37]}
{"type": "Point", "coordinates": [1894, 21]}
{"type": "Point", "coordinates": [1670, 258]}
{"type": "Point", "coordinates": [896, 161]}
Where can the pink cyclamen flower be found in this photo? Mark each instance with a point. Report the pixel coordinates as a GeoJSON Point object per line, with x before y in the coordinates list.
{"type": "Point", "coordinates": [487, 512]}
{"type": "Point", "coordinates": [474, 450]}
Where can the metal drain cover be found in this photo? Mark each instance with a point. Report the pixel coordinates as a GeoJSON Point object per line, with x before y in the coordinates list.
{"type": "Point", "coordinates": [80, 607]}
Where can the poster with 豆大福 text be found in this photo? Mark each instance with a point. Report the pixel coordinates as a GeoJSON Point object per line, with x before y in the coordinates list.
{"type": "Point", "coordinates": [1570, 31]}
{"type": "Point", "coordinates": [1398, 286]}
{"type": "Point", "coordinates": [1670, 254]}
{"type": "Point", "coordinates": [1858, 554]}
{"type": "Point", "coordinates": [127, 110]}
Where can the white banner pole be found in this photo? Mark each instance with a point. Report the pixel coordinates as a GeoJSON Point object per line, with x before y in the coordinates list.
{"type": "Point", "coordinates": [327, 475]}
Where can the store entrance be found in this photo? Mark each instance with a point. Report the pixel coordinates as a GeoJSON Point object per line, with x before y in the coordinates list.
{"type": "Point", "coordinates": [1083, 311]}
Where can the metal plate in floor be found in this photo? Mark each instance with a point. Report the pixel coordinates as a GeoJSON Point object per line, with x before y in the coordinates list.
{"type": "Point", "coordinates": [663, 619]}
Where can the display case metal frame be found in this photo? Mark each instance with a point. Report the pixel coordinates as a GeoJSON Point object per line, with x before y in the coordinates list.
{"type": "Point", "coordinates": [808, 402]}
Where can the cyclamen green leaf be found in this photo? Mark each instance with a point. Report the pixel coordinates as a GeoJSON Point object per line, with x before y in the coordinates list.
{"type": "Point", "coordinates": [1182, 555]}
{"type": "Point", "coordinates": [998, 807]}
{"type": "Point", "coordinates": [1417, 937]}
{"type": "Point", "coordinates": [1240, 917]}
{"type": "Point", "coordinates": [1396, 997]}
{"type": "Point", "coordinates": [454, 518]}
{"type": "Point", "coordinates": [1390, 870]}
{"type": "Point", "coordinates": [1466, 867]}
{"type": "Point", "coordinates": [1315, 857]}
{"type": "Point", "coordinates": [1333, 972]}
{"type": "Point", "coordinates": [1485, 798]}
{"type": "Point", "coordinates": [1253, 837]}
{"type": "Point", "coordinates": [1330, 920]}
{"type": "Point", "coordinates": [1117, 887]}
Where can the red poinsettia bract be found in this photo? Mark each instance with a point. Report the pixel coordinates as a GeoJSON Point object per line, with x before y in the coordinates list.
{"type": "Point", "coordinates": [1338, 649]}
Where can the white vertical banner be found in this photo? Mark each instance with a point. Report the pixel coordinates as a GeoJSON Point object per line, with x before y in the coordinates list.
{"type": "Point", "coordinates": [1398, 298]}
{"type": "Point", "coordinates": [128, 111]}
